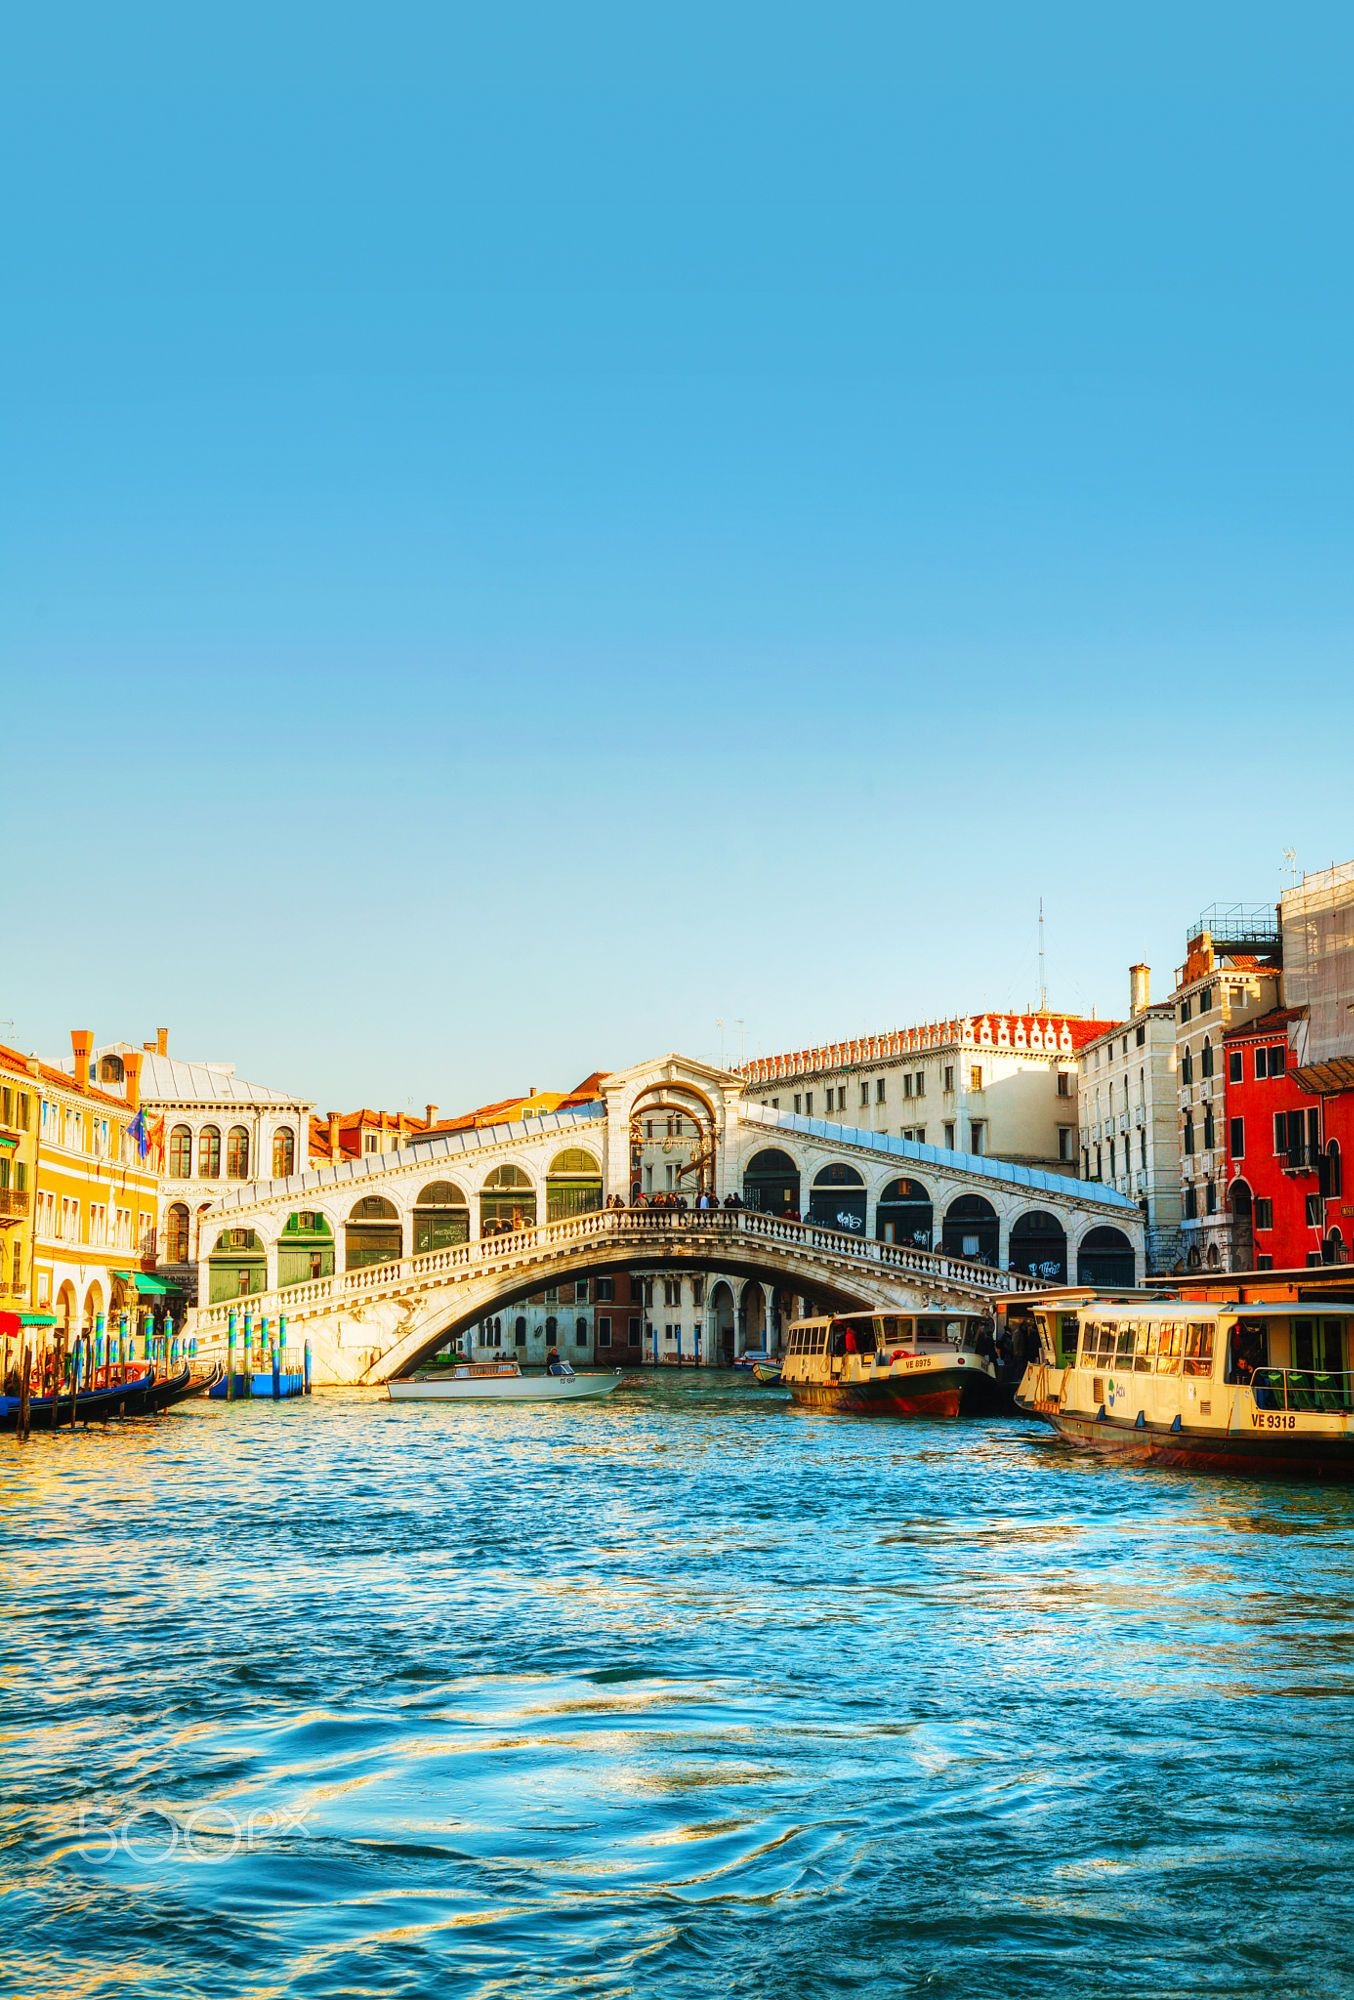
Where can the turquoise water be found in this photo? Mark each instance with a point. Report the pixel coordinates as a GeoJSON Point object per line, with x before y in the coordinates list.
{"type": "Point", "coordinates": [682, 1693]}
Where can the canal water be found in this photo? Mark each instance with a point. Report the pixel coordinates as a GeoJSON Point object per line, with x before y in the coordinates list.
{"type": "Point", "coordinates": [685, 1693]}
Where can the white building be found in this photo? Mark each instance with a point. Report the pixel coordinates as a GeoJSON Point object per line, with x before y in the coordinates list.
{"type": "Point", "coordinates": [211, 1130]}
{"type": "Point", "coordinates": [1003, 1085]}
{"type": "Point", "coordinates": [1130, 1116]}
{"type": "Point", "coordinates": [1231, 975]}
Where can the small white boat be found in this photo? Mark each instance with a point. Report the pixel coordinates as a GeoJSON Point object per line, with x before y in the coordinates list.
{"type": "Point", "coordinates": [500, 1382]}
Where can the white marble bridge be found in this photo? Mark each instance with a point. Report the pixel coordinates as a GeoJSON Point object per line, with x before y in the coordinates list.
{"type": "Point", "coordinates": [403, 1251]}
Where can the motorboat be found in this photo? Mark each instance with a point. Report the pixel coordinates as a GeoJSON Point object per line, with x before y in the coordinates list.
{"type": "Point", "coordinates": [1260, 1390]}
{"type": "Point", "coordinates": [930, 1364]}
{"type": "Point", "coordinates": [768, 1373]}
{"type": "Point", "coordinates": [500, 1382]}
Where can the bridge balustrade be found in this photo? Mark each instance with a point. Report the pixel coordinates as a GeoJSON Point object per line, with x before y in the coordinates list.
{"type": "Point", "coordinates": [633, 1226]}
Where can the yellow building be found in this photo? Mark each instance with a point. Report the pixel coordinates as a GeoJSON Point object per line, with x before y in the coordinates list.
{"type": "Point", "coordinates": [95, 1192]}
{"type": "Point", "coordinates": [20, 1095]}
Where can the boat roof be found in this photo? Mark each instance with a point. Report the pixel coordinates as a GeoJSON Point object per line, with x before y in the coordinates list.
{"type": "Point", "coordinates": [1190, 1309]}
{"type": "Point", "coordinates": [893, 1312]}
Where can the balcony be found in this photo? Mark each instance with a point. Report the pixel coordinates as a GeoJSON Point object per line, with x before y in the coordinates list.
{"type": "Point", "coordinates": [13, 1204]}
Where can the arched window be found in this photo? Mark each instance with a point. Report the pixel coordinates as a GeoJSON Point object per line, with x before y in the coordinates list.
{"type": "Point", "coordinates": [1039, 1246]}
{"type": "Point", "coordinates": [1208, 1128]}
{"type": "Point", "coordinates": [1335, 1180]}
{"type": "Point", "coordinates": [771, 1183]}
{"type": "Point", "coordinates": [903, 1215]}
{"type": "Point", "coordinates": [508, 1202]}
{"type": "Point", "coordinates": [573, 1185]}
{"type": "Point", "coordinates": [374, 1233]}
{"type": "Point", "coordinates": [237, 1154]}
{"type": "Point", "coordinates": [305, 1248]}
{"type": "Point", "coordinates": [837, 1198]}
{"type": "Point", "coordinates": [970, 1229]}
{"type": "Point", "coordinates": [1105, 1257]}
{"type": "Point", "coordinates": [551, 1329]}
{"type": "Point", "coordinates": [180, 1154]}
{"type": "Point", "coordinates": [1186, 1064]}
{"type": "Point", "coordinates": [1206, 1057]}
{"type": "Point", "coordinates": [519, 1331]}
{"type": "Point", "coordinates": [580, 1332]}
{"type": "Point", "coordinates": [111, 1070]}
{"type": "Point", "coordinates": [441, 1218]}
{"type": "Point", "coordinates": [284, 1152]}
{"type": "Point", "coordinates": [209, 1153]}
{"type": "Point", "coordinates": [176, 1231]}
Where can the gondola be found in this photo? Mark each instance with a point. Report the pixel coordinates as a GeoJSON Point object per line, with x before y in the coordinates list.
{"type": "Point", "coordinates": [88, 1406]}
{"type": "Point", "coordinates": [178, 1388]}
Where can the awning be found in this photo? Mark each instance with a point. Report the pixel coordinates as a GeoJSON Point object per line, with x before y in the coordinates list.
{"type": "Point", "coordinates": [8, 1139]}
{"type": "Point", "coordinates": [148, 1286]}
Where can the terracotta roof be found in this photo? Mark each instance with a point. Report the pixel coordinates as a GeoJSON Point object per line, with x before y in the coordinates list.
{"type": "Point", "coordinates": [1266, 1024]}
{"type": "Point", "coordinates": [12, 1059]}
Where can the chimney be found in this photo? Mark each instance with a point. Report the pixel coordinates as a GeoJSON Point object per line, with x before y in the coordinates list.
{"type": "Point", "coordinates": [432, 1113]}
{"type": "Point", "coordinates": [82, 1043]}
{"type": "Point", "coordinates": [162, 1041]}
{"type": "Point", "coordinates": [1139, 988]}
{"type": "Point", "coordinates": [131, 1069]}
{"type": "Point", "coordinates": [402, 1128]}
{"type": "Point", "coordinates": [335, 1143]}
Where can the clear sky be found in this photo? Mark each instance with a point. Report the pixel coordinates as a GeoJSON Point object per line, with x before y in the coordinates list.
{"type": "Point", "coordinates": [530, 531]}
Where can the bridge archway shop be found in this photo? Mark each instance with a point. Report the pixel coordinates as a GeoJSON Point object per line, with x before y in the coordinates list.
{"type": "Point", "coordinates": [838, 1199]}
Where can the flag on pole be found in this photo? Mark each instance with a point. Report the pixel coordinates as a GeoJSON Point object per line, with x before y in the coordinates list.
{"type": "Point", "coordinates": [156, 1137]}
{"type": "Point", "coordinates": [138, 1131]}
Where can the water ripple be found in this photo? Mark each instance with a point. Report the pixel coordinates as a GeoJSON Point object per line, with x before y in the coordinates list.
{"type": "Point", "coordinates": [685, 1693]}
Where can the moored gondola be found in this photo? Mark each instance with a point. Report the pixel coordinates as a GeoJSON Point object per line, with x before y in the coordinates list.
{"type": "Point", "coordinates": [85, 1406]}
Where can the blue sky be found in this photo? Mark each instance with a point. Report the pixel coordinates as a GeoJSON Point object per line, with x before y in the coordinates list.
{"type": "Point", "coordinates": [530, 532]}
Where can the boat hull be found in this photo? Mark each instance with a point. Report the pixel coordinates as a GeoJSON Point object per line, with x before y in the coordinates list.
{"type": "Point", "coordinates": [1265, 1455]}
{"type": "Point", "coordinates": [503, 1389]}
{"type": "Point", "coordinates": [938, 1393]}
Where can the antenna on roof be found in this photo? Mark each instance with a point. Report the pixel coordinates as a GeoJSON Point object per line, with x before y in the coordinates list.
{"type": "Point", "coordinates": [1043, 984]}
{"type": "Point", "coordinates": [1290, 866]}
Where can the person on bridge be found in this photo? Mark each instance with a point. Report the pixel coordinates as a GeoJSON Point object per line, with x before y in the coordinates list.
{"type": "Point", "coordinates": [705, 1200]}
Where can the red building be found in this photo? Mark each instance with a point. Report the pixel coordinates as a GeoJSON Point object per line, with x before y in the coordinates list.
{"type": "Point", "coordinates": [1285, 1145]}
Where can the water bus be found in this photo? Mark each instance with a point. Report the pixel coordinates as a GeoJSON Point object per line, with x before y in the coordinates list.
{"type": "Point", "coordinates": [931, 1364]}
{"type": "Point", "coordinates": [1216, 1387]}
{"type": "Point", "coordinates": [500, 1382]}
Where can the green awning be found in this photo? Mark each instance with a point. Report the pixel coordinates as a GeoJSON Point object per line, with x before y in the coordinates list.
{"type": "Point", "coordinates": [38, 1319]}
{"type": "Point", "coordinates": [148, 1287]}
{"type": "Point", "coordinates": [8, 1139]}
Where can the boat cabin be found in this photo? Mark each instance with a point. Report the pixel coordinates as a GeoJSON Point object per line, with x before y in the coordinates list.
{"type": "Point", "coordinates": [1290, 1357]}
{"type": "Point", "coordinates": [882, 1333]}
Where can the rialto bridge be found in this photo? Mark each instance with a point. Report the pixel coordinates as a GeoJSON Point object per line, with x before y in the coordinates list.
{"type": "Point", "coordinates": [378, 1262]}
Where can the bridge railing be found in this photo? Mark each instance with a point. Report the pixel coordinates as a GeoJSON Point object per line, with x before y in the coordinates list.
{"type": "Point", "coordinates": [633, 1226]}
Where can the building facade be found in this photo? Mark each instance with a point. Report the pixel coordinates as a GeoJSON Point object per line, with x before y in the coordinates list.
{"type": "Point", "coordinates": [1231, 977]}
{"type": "Point", "coordinates": [209, 1130]}
{"type": "Point", "coordinates": [20, 1097]}
{"type": "Point", "coordinates": [993, 1085]}
{"type": "Point", "coordinates": [96, 1200]}
{"type": "Point", "coordinates": [1130, 1121]}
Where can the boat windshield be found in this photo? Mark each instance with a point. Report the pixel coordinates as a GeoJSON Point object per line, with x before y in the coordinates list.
{"type": "Point", "coordinates": [852, 1336]}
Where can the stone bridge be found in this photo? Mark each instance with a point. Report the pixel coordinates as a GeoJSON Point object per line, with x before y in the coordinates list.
{"type": "Point", "coordinates": [377, 1261]}
{"type": "Point", "coordinates": [382, 1320]}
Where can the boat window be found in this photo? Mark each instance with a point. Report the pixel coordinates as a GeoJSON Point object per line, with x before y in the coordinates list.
{"type": "Point", "coordinates": [1198, 1350]}
{"type": "Point", "coordinates": [1170, 1349]}
{"type": "Point", "coordinates": [1124, 1343]}
{"type": "Point", "coordinates": [1144, 1349]}
{"type": "Point", "coordinates": [892, 1327]}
